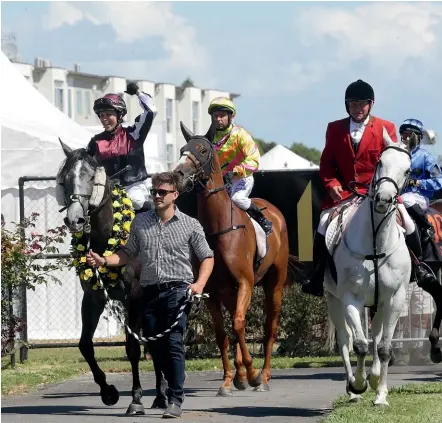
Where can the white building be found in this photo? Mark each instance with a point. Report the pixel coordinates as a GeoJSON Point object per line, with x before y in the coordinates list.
{"type": "Point", "coordinates": [74, 93]}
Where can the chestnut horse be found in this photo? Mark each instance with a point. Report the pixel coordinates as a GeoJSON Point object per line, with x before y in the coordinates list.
{"type": "Point", "coordinates": [231, 235]}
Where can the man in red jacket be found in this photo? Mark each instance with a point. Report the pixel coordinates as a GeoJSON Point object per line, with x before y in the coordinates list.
{"type": "Point", "coordinates": [352, 148]}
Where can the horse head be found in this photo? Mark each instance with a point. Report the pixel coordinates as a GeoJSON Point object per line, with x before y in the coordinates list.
{"type": "Point", "coordinates": [80, 187]}
{"type": "Point", "coordinates": [197, 157]}
{"type": "Point", "coordinates": [392, 171]}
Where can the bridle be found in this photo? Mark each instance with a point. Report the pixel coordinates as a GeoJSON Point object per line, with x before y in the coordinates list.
{"type": "Point", "coordinates": [203, 172]}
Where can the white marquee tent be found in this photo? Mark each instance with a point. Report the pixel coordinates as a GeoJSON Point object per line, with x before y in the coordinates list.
{"type": "Point", "coordinates": [280, 158]}
{"type": "Point", "coordinates": [30, 129]}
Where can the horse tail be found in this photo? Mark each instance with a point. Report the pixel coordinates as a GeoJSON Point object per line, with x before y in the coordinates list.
{"type": "Point", "coordinates": [294, 271]}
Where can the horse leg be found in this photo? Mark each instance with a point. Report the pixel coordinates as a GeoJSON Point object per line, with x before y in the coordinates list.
{"type": "Point", "coordinates": [222, 340]}
{"type": "Point", "coordinates": [239, 328]}
{"type": "Point", "coordinates": [336, 313]}
{"type": "Point", "coordinates": [375, 370]}
{"type": "Point", "coordinates": [91, 309]}
{"type": "Point", "coordinates": [133, 351]}
{"type": "Point", "coordinates": [435, 290]}
{"type": "Point", "coordinates": [353, 308]}
{"type": "Point", "coordinates": [391, 312]}
{"type": "Point", "coordinates": [273, 288]}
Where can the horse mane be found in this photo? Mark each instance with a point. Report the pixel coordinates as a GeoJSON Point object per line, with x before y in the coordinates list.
{"type": "Point", "coordinates": [72, 158]}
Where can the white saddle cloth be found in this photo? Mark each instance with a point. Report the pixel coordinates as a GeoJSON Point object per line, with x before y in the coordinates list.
{"type": "Point", "coordinates": [261, 239]}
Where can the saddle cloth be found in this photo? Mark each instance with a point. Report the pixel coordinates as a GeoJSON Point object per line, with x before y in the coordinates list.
{"type": "Point", "coordinates": [261, 240]}
{"type": "Point", "coordinates": [339, 220]}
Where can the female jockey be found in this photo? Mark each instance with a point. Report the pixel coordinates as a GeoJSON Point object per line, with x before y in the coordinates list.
{"type": "Point", "coordinates": [117, 147]}
{"type": "Point", "coordinates": [239, 158]}
{"type": "Point", "coordinates": [425, 179]}
{"type": "Point", "coordinates": [352, 149]}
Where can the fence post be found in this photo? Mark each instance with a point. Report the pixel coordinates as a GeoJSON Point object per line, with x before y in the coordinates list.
{"type": "Point", "coordinates": [23, 299]}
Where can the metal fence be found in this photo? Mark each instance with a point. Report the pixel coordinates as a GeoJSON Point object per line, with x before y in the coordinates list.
{"type": "Point", "coordinates": [52, 311]}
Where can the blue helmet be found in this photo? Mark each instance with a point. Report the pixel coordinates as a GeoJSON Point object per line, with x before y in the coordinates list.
{"type": "Point", "coordinates": [413, 125]}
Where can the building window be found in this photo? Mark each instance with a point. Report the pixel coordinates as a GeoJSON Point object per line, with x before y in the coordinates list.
{"type": "Point", "coordinates": [69, 102]}
{"type": "Point", "coordinates": [169, 153]}
{"type": "Point", "coordinates": [79, 96]}
{"type": "Point", "coordinates": [58, 95]}
{"type": "Point", "coordinates": [169, 115]}
{"type": "Point", "coordinates": [195, 116]}
{"type": "Point", "coordinates": [87, 100]}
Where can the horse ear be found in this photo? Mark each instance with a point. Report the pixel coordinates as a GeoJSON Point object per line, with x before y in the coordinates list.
{"type": "Point", "coordinates": [67, 150]}
{"type": "Point", "coordinates": [187, 133]}
{"type": "Point", "coordinates": [210, 135]}
{"type": "Point", "coordinates": [387, 140]}
{"type": "Point", "coordinates": [429, 137]}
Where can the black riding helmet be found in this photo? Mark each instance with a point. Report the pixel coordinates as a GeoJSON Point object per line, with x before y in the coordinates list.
{"type": "Point", "coordinates": [359, 91]}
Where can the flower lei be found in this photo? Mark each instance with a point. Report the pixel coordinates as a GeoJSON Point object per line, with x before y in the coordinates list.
{"type": "Point", "coordinates": [123, 216]}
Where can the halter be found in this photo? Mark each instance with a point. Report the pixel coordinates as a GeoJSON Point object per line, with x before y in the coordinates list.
{"type": "Point", "coordinates": [374, 185]}
{"type": "Point", "coordinates": [203, 171]}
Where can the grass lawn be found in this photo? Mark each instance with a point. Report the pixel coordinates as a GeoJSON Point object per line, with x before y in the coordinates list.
{"type": "Point", "coordinates": [46, 366]}
{"type": "Point", "coordinates": [412, 403]}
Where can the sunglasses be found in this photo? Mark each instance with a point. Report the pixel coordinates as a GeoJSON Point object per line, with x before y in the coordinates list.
{"type": "Point", "coordinates": [160, 192]}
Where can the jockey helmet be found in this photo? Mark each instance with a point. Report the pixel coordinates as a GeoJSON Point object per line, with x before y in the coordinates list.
{"type": "Point", "coordinates": [219, 104]}
{"type": "Point", "coordinates": [412, 125]}
{"type": "Point", "coordinates": [111, 102]}
{"type": "Point", "coordinates": [359, 91]}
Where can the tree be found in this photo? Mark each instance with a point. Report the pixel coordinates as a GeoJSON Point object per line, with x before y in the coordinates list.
{"type": "Point", "coordinates": [308, 153]}
{"type": "Point", "coordinates": [187, 83]}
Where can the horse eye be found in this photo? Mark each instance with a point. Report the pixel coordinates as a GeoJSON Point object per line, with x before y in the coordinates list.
{"type": "Point", "coordinates": [203, 151]}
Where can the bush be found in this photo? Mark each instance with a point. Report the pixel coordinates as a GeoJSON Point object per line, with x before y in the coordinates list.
{"type": "Point", "coordinates": [23, 267]}
{"type": "Point", "coordinates": [303, 327]}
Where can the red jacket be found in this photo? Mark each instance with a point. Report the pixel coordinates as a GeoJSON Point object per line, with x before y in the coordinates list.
{"type": "Point", "coordinates": [339, 164]}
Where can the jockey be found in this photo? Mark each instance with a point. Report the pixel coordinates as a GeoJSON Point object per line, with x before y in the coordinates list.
{"type": "Point", "coordinates": [352, 148]}
{"type": "Point", "coordinates": [239, 158]}
{"type": "Point", "coordinates": [425, 178]}
{"type": "Point", "coordinates": [117, 147]}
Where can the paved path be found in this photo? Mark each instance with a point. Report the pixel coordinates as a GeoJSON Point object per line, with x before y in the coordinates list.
{"type": "Point", "coordinates": [297, 395]}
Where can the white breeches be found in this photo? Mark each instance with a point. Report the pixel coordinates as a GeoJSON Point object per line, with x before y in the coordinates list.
{"type": "Point", "coordinates": [323, 220]}
{"type": "Point", "coordinates": [139, 193]}
{"type": "Point", "coordinates": [240, 191]}
{"type": "Point", "coordinates": [410, 198]}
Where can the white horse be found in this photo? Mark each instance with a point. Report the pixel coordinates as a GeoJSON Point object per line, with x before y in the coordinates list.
{"type": "Point", "coordinates": [360, 284]}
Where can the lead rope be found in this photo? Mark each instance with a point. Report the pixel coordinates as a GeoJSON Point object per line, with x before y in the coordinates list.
{"type": "Point", "coordinates": [116, 310]}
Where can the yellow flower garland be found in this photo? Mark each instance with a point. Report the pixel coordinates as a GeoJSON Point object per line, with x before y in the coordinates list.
{"type": "Point", "coordinates": [123, 216]}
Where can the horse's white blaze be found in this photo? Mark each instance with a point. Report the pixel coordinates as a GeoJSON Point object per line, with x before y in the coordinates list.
{"type": "Point", "coordinates": [77, 173]}
{"type": "Point", "coordinates": [183, 159]}
{"type": "Point", "coordinates": [355, 286]}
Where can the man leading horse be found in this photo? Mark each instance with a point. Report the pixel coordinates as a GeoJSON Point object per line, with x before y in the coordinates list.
{"type": "Point", "coordinates": [352, 149]}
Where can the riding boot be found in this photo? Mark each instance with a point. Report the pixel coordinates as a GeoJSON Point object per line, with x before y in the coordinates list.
{"type": "Point", "coordinates": [418, 215]}
{"type": "Point", "coordinates": [257, 214]}
{"type": "Point", "coordinates": [314, 285]}
{"type": "Point", "coordinates": [424, 278]}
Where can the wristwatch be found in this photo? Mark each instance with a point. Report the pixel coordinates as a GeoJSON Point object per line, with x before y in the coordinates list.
{"type": "Point", "coordinates": [105, 262]}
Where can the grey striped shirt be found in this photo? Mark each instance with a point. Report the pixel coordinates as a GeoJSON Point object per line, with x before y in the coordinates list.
{"type": "Point", "coordinates": [166, 249]}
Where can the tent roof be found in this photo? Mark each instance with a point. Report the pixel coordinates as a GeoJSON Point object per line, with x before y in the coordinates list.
{"type": "Point", "coordinates": [31, 126]}
{"type": "Point", "coordinates": [280, 157]}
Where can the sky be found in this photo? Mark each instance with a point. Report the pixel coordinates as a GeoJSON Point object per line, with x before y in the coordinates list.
{"type": "Point", "coordinates": [290, 61]}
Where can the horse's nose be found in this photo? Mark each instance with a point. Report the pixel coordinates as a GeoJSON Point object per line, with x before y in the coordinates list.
{"type": "Point", "coordinates": [66, 221]}
{"type": "Point", "coordinates": [377, 197]}
{"type": "Point", "coordinates": [81, 220]}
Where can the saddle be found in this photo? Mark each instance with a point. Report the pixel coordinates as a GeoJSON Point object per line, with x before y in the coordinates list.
{"type": "Point", "coordinates": [338, 220]}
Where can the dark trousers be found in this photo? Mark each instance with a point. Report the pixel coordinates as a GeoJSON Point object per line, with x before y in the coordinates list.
{"type": "Point", "coordinates": [160, 308]}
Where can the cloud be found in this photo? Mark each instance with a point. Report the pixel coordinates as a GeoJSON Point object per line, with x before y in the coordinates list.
{"type": "Point", "coordinates": [385, 35]}
{"type": "Point", "coordinates": [135, 21]}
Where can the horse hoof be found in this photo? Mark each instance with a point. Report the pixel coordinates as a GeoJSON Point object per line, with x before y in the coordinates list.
{"type": "Point", "coordinates": [224, 392]}
{"type": "Point", "coordinates": [110, 395]}
{"type": "Point", "coordinates": [353, 390]}
{"type": "Point", "coordinates": [354, 398]}
{"type": "Point", "coordinates": [381, 403]}
{"type": "Point", "coordinates": [135, 409]}
{"type": "Point", "coordinates": [264, 387]}
{"type": "Point", "coordinates": [254, 383]}
{"type": "Point", "coordinates": [436, 355]}
{"type": "Point", "coordinates": [160, 402]}
{"type": "Point", "coordinates": [241, 385]}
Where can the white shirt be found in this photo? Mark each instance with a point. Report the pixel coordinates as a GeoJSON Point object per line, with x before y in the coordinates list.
{"type": "Point", "coordinates": [357, 129]}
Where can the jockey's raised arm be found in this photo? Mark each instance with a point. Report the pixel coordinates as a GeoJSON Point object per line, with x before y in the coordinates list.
{"type": "Point", "coordinates": [120, 149]}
